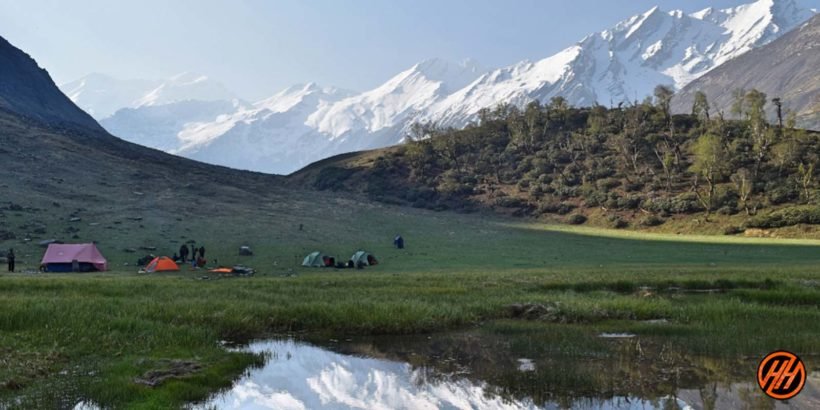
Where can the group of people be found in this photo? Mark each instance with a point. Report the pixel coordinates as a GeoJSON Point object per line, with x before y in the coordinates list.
{"type": "Point", "coordinates": [197, 255]}
{"type": "Point", "coordinates": [10, 259]}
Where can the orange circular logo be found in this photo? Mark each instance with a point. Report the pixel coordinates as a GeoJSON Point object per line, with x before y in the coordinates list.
{"type": "Point", "coordinates": [781, 375]}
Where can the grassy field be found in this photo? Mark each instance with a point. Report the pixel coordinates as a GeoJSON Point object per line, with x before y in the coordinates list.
{"type": "Point", "coordinates": [65, 336]}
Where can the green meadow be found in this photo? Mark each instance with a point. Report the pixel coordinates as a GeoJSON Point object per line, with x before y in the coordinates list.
{"type": "Point", "coordinates": [65, 337]}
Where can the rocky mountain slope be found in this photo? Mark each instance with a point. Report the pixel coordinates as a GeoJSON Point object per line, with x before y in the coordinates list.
{"type": "Point", "coordinates": [27, 90]}
{"type": "Point", "coordinates": [621, 64]}
{"type": "Point", "coordinates": [55, 155]}
{"type": "Point", "coordinates": [786, 68]}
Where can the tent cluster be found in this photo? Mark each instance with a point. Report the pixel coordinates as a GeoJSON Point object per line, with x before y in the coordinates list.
{"type": "Point", "coordinates": [359, 260]}
{"type": "Point", "coordinates": [85, 257]}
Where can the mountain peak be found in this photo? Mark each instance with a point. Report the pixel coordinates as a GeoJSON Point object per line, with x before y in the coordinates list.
{"type": "Point", "coordinates": [438, 69]}
{"type": "Point", "coordinates": [187, 77]}
{"type": "Point", "coordinates": [652, 11]}
{"type": "Point", "coordinates": [451, 75]}
{"type": "Point", "coordinates": [703, 14]}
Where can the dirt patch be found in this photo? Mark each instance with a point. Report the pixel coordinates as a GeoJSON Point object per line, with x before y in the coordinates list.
{"type": "Point", "coordinates": [171, 369]}
{"type": "Point", "coordinates": [759, 233]}
{"type": "Point", "coordinates": [549, 312]}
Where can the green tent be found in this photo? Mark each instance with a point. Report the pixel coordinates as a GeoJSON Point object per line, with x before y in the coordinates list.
{"type": "Point", "coordinates": [315, 260]}
{"type": "Point", "coordinates": [364, 257]}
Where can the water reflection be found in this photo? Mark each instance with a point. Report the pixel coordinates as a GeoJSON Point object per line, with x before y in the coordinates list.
{"type": "Point", "coordinates": [303, 376]}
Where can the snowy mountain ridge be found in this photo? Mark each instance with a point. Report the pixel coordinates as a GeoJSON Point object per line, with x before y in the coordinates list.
{"type": "Point", "coordinates": [101, 95]}
{"type": "Point", "coordinates": [306, 123]}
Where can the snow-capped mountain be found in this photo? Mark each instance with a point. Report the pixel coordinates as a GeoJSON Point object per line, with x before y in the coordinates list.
{"type": "Point", "coordinates": [271, 135]}
{"type": "Point", "coordinates": [102, 96]}
{"type": "Point", "coordinates": [158, 126]}
{"type": "Point", "coordinates": [626, 62]}
{"type": "Point", "coordinates": [307, 123]}
{"type": "Point", "coordinates": [399, 99]}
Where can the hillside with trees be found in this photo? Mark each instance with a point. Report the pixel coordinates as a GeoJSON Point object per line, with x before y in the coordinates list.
{"type": "Point", "coordinates": [635, 165]}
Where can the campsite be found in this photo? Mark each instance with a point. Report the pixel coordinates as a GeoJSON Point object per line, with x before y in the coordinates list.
{"type": "Point", "coordinates": [467, 274]}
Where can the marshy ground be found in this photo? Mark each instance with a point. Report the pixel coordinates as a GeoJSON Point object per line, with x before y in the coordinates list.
{"type": "Point", "coordinates": [94, 336]}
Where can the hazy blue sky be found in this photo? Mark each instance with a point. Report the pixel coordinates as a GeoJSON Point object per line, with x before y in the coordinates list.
{"type": "Point", "coordinates": [258, 47]}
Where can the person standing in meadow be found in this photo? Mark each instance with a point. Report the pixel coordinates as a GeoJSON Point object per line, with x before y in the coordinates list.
{"type": "Point", "coordinates": [10, 259]}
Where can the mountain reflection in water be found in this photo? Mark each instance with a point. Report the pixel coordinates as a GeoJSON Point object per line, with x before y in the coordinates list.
{"type": "Point", "coordinates": [302, 376]}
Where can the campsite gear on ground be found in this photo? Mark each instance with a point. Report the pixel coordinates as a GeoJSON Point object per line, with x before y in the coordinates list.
{"type": "Point", "coordinates": [202, 251]}
{"type": "Point", "coordinates": [364, 257]}
{"type": "Point", "coordinates": [398, 241]}
{"type": "Point", "coordinates": [329, 261]}
{"type": "Point", "coordinates": [200, 262]}
{"type": "Point", "coordinates": [175, 258]}
{"type": "Point", "coordinates": [10, 259]}
{"type": "Point", "coordinates": [350, 264]}
{"type": "Point", "coordinates": [145, 260]}
{"type": "Point", "coordinates": [183, 253]}
{"type": "Point", "coordinates": [245, 250]}
{"type": "Point", "coordinates": [161, 264]}
{"type": "Point", "coordinates": [238, 270]}
{"type": "Point", "coordinates": [314, 260]}
{"type": "Point", "coordinates": [77, 257]}
{"type": "Point", "coordinates": [340, 265]}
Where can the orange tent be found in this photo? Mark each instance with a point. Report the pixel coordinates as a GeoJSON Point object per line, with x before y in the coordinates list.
{"type": "Point", "coordinates": [161, 264]}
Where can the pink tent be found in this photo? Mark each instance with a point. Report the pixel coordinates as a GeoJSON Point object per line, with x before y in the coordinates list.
{"type": "Point", "coordinates": [59, 255]}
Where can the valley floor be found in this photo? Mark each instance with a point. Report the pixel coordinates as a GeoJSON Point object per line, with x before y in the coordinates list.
{"type": "Point", "coordinates": [67, 337]}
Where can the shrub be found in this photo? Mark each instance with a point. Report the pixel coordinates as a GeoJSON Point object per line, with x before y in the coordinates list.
{"type": "Point", "coordinates": [595, 198]}
{"type": "Point", "coordinates": [732, 230]}
{"type": "Point", "coordinates": [807, 214]}
{"type": "Point", "coordinates": [564, 208]}
{"type": "Point", "coordinates": [633, 186]}
{"type": "Point", "coordinates": [726, 198]}
{"type": "Point", "coordinates": [682, 204]}
{"type": "Point", "coordinates": [651, 220]}
{"type": "Point", "coordinates": [510, 202]}
{"type": "Point", "coordinates": [727, 210]}
{"type": "Point", "coordinates": [565, 192]}
{"type": "Point", "coordinates": [333, 178]}
{"type": "Point", "coordinates": [629, 202]}
{"type": "Point", "coordinates": [617, 222]}
{"type": "Point", "coordinates": [781, 193]}
{"type": "Point", "coordinates": [421, 193]}
{"type": "Point", "coordinates": [454, 184]}
{"type": "Point", "coordinates": [569, 179]}
{"type": "Point", "coordinates": [544, 179]}
{"type": "Point", "coordinates": [576, 219]}
{"type": "Point", "coordinates": [553, 207]}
